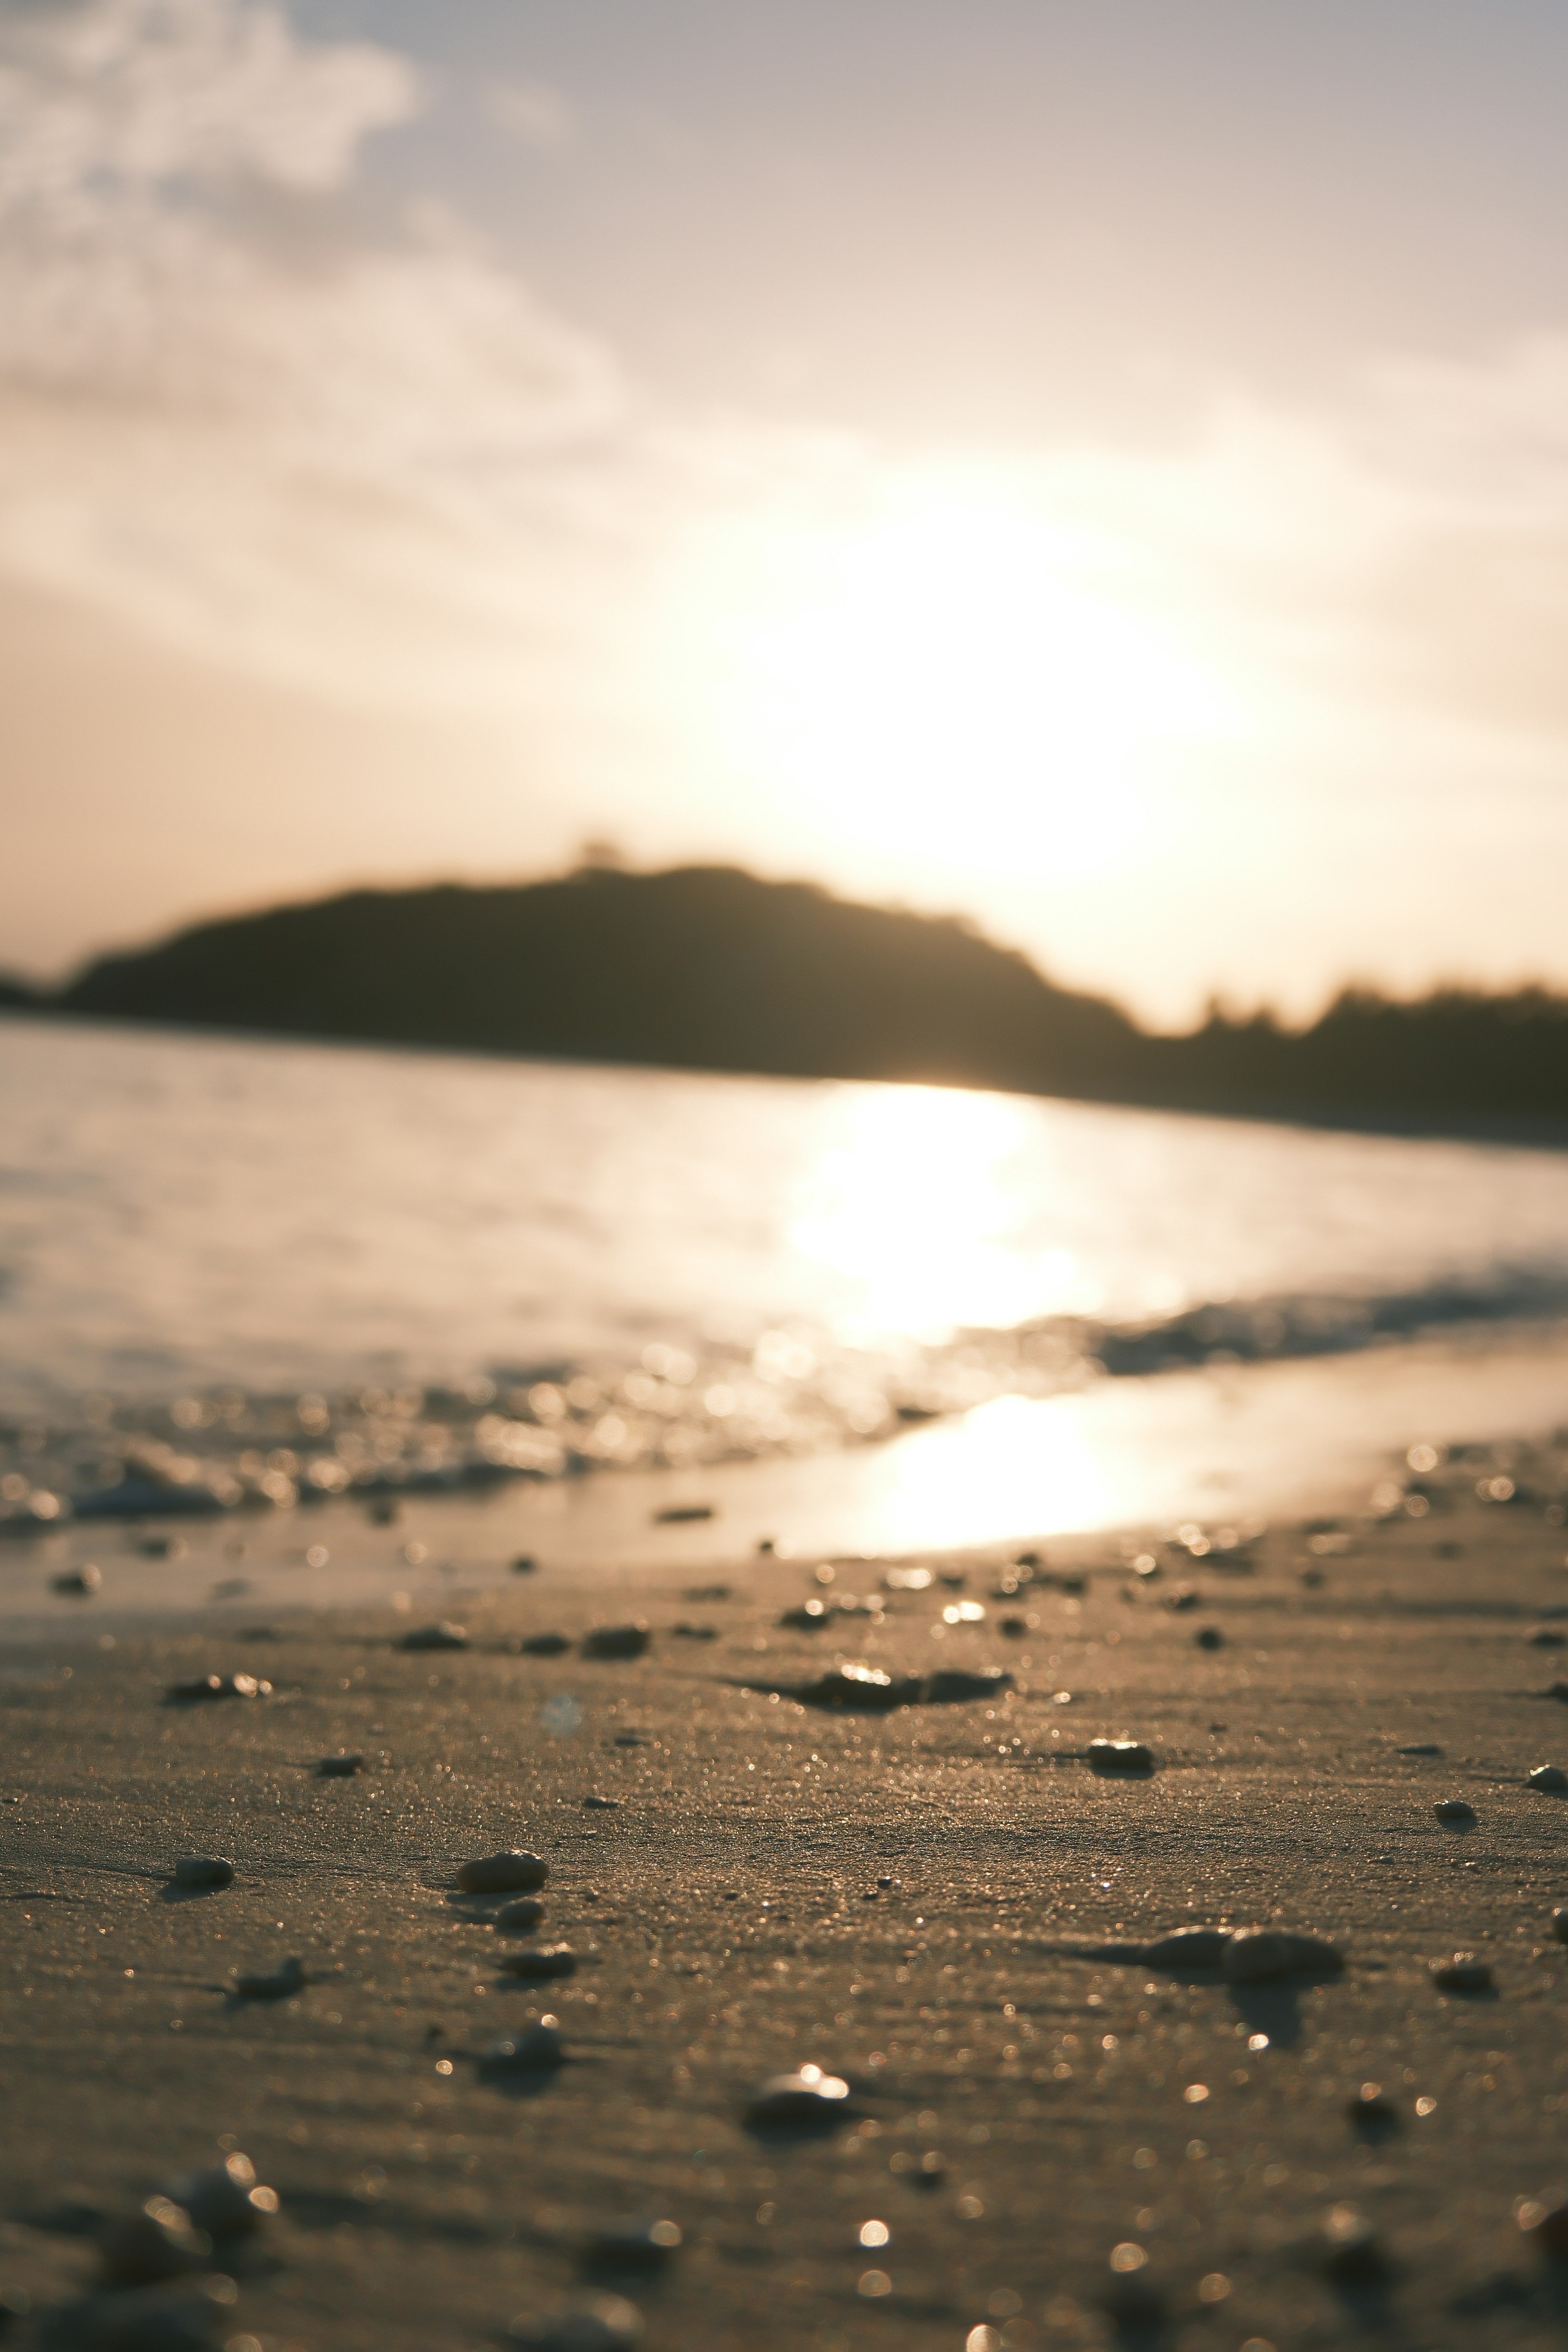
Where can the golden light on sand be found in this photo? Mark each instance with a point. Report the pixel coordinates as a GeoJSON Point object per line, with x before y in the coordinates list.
{"type": "Point", "coordinates": [949, 676]}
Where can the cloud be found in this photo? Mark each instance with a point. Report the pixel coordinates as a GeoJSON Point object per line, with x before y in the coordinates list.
{"type": "Point", "coordinates": [534, 114]}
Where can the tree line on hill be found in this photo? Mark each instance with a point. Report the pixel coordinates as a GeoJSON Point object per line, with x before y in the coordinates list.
{"type": "Point", "coordinates": [709, 968]}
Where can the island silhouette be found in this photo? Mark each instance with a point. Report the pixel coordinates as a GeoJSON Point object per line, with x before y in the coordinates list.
{"type": "Point", "coordinates": [710, 968]}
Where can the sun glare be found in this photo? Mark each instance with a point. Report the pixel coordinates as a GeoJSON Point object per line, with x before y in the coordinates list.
{"type": "Point", "coordinates": [941, 679]}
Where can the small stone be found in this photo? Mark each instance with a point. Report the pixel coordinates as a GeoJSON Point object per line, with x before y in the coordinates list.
{"type": "Point", "coordinates": [617, 1641]}
{"type": "Point", "coordinates": [1463, 1973]}
{"type": "Point", "coordinates": [951, 1686]}
{"type": "Point", "coordinates": [1013, 1627]}
{"type": "Point", "coordinates": [1265, 1955]}
{"type": "Point", "coordinates": [285, 1980]}
{"type": "Point", "coordinates": [1550, 1777]}
{"type": "Point", "coordinates": [156, 2244]}
{"type": "Point", "coordinates": [551, 1961]}
{"type": "Point", "coordinates": [861, 1687]}
{"type": "Point", "coordinates": [606, 2322]}
{"type": "Point", "coordinates": [1354, 2256]}
{"type": "Point", "coordinates": [1184, 1597]}
{"type": "Point", "coordinates": [78, 1583]}
{"type": "Point", "coordinates": [525, 1564]}
{"type": "Point", "coordinates": [601, 1804]}
{"type": "Point", "coordinates": [807, 1617]}
{"type": "Point", "coordinates": [1370, 2110]}
{"type": "Point", "coordinates": [545, 1645]}
{"type": "Point", "coordinates": [210, 1686]}
{"type": "Point", "coordinates": [502, 1874]}
{"type": "Point", "coordinates": [519, 1918]}
{"type": "Point", "coordinates": [1548, 1637]}
{"type": "Point", "coordinates": [808, 2099]}
{"type": "Point", "coordinates": [536, 2051]}
{"type": "Point", "coordinates": [1559, 1690]}
{"type": "Point", "coordinates": [1420, 1748]}
{"type": "Point", "coordinates": [204, 1870]}
{"type": "Point", "coordinates": [633, 2245]}
{"type": "Point", "coordinates": [1559, 1922]}
{"type": "Point", "coordinates": [1544, 2221]}
{"type": "Point", "coordinates": [1209, 1637]}
{"type": "Point", "coordinates": [1202, 1949]}
{"type": "Point", "coordinates": [341, 1766]}
{"type": "Point", "coordinates": [683, 1514]}
{"type": "Point", "coordinates": [227, 2201]}
{"type": "Point", "coordinates": [444, 1636]}
{"type": "Point", "coordinates": [1119, 1756]}
{"type": "Point", "coordinates": [685, 1633]}
{"type": "Point", "coordinates": [1454, 1811]}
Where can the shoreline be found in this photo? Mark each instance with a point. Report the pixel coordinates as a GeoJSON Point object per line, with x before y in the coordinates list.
{"type": "Point", "coordinates": [915, 1901]}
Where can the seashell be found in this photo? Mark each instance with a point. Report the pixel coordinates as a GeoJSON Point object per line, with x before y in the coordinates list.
{"type": "Point", "coordinates": [950, 1685]}
{"type": "Point", "coordinates": [502, 1874]}
{"type": "Point", "coordinates": [1463, 1973]}
{"type": "Point", "coordinates": [1544, 2221]}
{"type": "Point", "coordinates": [550, 1960]}
{"type": "Point", "coordinates": [1550, 1777]}
{"type": "Point", "coordinates": [1119, 1756]}
{"type": "Point", "coordinates": [535, 2051]}
{"type": "Point", "coordinates": [1353, 2257]}
{"type": "Point", "coordinates": [341, 1766]}
{"type": "Point", "coordinates": [604, 2322]}
{"type": "Point", "coordinates": [809, 2098]}
{"type": "Point", "coordinates": [204, 1870]}
{"type": "Point", "coordinates": [209, 1687]}
{"type": "Point", "coordinates": [444, 1636]}
{"type": "Point", "coordinates": [226, 2201]}
{"type": "Point", "coordinates": [157, 2243]}
{"type": "Point", "coordinates": [617, 1641]}
{"type": "Point", "coordinates": [80, 1584]}
{"type": "Point", "coordinates": [1454, 1810]}
{"type": "Point", "coordinates": [545, 1645]}
{"type": "Point", "coordinates": [1201, 1950]}
{"type": "Point", "coordinates": [517, 1918]}
{"type": "Point", "coordinates": [1264, 1955]}
{"type": "Point", "coordinates": [290, 1977]}
{"type": "Point", "coordinates": [633, 2245]}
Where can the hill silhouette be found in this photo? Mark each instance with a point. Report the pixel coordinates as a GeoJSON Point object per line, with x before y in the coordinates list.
{"type": "Point", "coordinates": [710, 967]}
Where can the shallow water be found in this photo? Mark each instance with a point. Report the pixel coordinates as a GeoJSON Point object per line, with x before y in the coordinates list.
{"type": "Point", "coordinates": [728, 1266]}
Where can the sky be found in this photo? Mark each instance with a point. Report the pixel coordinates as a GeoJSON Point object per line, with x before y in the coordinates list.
{"type": "Point", "coordinates": [1097, 465]}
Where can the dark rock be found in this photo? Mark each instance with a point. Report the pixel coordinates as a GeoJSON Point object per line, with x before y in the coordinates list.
{"type": "Point", "coordinates": [519, 1918]}
{"type": "Point", "coordinates": [633, 2245]}
{"type": "Point", "coordinates": [685, 1633]}
{"type": "Point", "coordinates": [444, 1636]}
{"type": "Point", "coordinates": [1119, 1756]}
{"type": "Point", "coordinates": [1548, 1637]}
{"type": "Point", "coordinates": [1268, 1955]}
{"type": "Point", "coordinates": [1454, 1812]}
{"type": "Point", "coordinates": [809, 2100]}
{"type": "Point", "coordinates": [1551, 1777]}
{"type": "Point", "coordinates": [1201, 1950]}
{"type": "Point", "coordinates": [952, 1686]}
{"type": "Point", "coordinates": [1543, 2220]}
{"type": "Point", "coordinates": [204, 1870]}
{"type": "Point", "coordinates": [1209, 1637]}
{"type": "Point", "coordinates": [284, 1981]}
{"type": "Point", "coordinates": [1463, 1973]}
{"type": "Point", "coordinates": [601, 1804]}
{"type": "Point", "coordinates": [551, 1961]}
{"type": "Point", "coordinates": [545, 1645]}
{"type": "Point", "coordinates": [681, 1515]}
{"type": "Point", "coordinates": [200, 1687]}
{"type": "Point", "coordinates": [617, 1641]}
{"type": "Point", "coordinates": [502, 1874]}
{"type": "Point", "coordinates": [1559, 1922]}
{"type": "Point", "coordinates": [79, 1583]}
{"type": "Point", "coordinates": [861, 1687]}
{"type": "Point", "coordinates": [525, 1564]}
{"type": "Point", "coordinates": [341, 1766]}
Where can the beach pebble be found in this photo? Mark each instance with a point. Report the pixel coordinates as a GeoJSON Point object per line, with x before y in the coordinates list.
{"type": "Point", "coordinates": [149, 2247]}
{"type": "Point", "coordinates": [861, 1687]}
{"type": "Point", "coordinates": [1463, 1973]}
{"type": "Point", "coordinates": [1454, 1810]}
{"type": "Point", "coordinates": [1209, 1637]}
{"type": "Point", "coordinates": [808, 2097]}
{"type": "Point", "coordinates": [1548, 1637]}
{"type": "Point", "coordinates": [1550, 1777]}
{"type": "Point", "coordinates": [286, 1980]}
{"type": "Point", "coordinates": [444, 1636]}
{"type": "Point", "coordinates": [1543, 2220]}
{"type": "Point", "coordinates": [1353, 2257]}
{"type": "Point", "coordinates": [1264, 1955]}
{"type": "Point", "coordinates": [517, 1918]}
{"type": "Point", "coordinates": [950, 1684]}
{"type": "Point", "coordinates": [1559, 1922]}
{"type": "Point", "coordinates": [606, 2322]}
{"type": "Point", "coordinates": [685, 1632]}
{"type": "Point", "coordinates": [545, 1645]}
{"type": "Point", "coordinates": [1200, 1948]}
{"type": "Point", "coordinates": [633, 2245]}
{"type": "Point", "coordinates": [1013, 1627]}
{"type": "Point", "coordinates": [341, 1766]}
{"type": "Point", "coordinates": [525, 1564]}
{"type": "Point", "coordinates": [1119, 1756]}
{"type": "Point", "coordinates": [80, 1584]}
{"type": "Point", "coordinates": [536, 2051]}
{"type": "Point", "coordinates": [210, 1686]}
{"type": "Point", "coordinates": [204, 1870]}
{"type": "Point", "coordinates": [600, 1804]}
{"type": "Point", "coordinates": [550, 1960]}
{"type": "Point", "coordinates": [617, 1641]}
{"type": "Point", "coordinates": [227, 2201]}
{"type": "Point", "coordinates": [502, 1874]}
{"type": "Point", "coordinates": [683, 1514]}
{"type": "Point", "coordinates": [1184, 1597]}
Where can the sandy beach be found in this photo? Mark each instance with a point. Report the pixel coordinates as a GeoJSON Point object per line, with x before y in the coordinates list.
{"type": "Point", "coordinates": [910, 1900]}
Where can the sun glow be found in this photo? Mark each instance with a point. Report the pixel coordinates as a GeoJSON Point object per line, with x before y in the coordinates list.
{"type": "Point", "coordinates": [946, 678]}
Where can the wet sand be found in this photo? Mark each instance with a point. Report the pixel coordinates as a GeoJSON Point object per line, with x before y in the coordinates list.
{"type": "Point", "coordinates": [896, 1898]}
